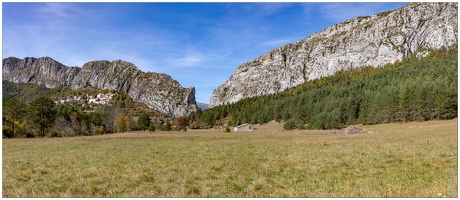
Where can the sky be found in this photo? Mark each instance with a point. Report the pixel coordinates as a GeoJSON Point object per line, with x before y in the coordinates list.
{"type": "Point", "coordinates": [197, 44]}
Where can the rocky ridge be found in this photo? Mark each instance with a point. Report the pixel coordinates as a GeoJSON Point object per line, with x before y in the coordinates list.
{"type": "Point", "coordinates": [156, 90]}
{"type": "Point", "coordinates": [202, 106]}
{"type": "Point", "coordinates": [362, 41]}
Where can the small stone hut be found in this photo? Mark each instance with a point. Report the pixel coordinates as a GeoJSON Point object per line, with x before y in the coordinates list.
{"type": "Point", "coordinates": [244, 127]}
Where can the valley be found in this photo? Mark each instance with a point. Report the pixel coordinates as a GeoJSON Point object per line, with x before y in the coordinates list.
{"type": "Point", "coordinates": [391, 160]}
{"type": "Point", "coordinates": [108, 129]}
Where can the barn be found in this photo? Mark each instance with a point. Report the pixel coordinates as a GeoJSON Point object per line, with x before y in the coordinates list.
{"type": "Point", "coordinates": [244, 127]}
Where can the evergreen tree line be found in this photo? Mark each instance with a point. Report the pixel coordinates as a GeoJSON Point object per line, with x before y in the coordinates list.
{"type": "Point", "coordinates": [415, 89]}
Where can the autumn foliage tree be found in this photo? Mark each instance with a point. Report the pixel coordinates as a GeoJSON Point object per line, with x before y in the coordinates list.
{"type": "Point", "coordinates": [122, 123]}
{"type": "Point", "coordinates": [181, 123]}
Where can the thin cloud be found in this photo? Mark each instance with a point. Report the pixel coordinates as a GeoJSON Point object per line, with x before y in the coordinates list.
{"type": "Point", "coordinates": [339, 12]}
{"type": "Point", "coordinates": [194, 58]}
{"type": "Point", "coordinates": [275, 43]}
{"type": "Point", "coordinates": [191, 59]}
{"type": "Point", "coordinates": [61, 9]}
{"type": "Point", "coordinates": [259, 10]}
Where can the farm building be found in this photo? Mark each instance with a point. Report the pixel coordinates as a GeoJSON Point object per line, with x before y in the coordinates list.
{"type": "Point", "coordinates": [244, 127]}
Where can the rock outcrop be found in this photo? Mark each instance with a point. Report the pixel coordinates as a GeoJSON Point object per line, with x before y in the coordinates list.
{"type": "Point", "coordinates": [350, 130]}
{"type": "Point", "coordinates": [362, 41]}
{"type": "Point", "coordinates": [43, 71]}
{"type": "Point", "coordinates": [156, 90]}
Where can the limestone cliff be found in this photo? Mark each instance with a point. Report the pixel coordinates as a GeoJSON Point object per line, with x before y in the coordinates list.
{"type": "Point", "coordinates": [157, 91]}
{"type": "Point", "coordinates": [362, 41]}
{"type": "Point", "coordinates": [43, 71]}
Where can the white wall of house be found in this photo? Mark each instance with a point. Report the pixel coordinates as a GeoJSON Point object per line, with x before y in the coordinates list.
{"type": "Point", "coordinates": [244, 127]}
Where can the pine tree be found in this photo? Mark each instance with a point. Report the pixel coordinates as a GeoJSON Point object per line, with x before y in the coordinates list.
{"type": "Point", "coordinates": [13, 110]}
{"type": "Point", "coordinates": [167, 126]}
{"type": "Point", "coordinates": [143, 122]}
{"type": "Point", "coordinates": [41, 112]}
{"type": "Point", "coordinates": [151, 128]}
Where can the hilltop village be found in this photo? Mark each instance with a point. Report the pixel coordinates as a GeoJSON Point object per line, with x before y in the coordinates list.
{"type": "Point", "coordinates": [88, 102]}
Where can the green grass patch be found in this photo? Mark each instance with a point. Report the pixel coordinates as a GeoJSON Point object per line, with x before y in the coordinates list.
{"type": "Point", "coordinates": [393, 160]}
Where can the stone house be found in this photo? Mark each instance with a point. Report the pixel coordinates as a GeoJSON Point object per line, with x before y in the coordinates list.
{"type": "Point", "coordinates": [244, 127]}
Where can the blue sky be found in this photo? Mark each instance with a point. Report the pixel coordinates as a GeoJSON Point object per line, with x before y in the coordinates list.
{"type": "Point", "coordinates": [197, 44]}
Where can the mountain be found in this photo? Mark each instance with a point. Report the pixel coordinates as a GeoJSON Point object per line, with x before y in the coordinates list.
{"type": "Point", "coordinates": [375, 40]}
{"type": "Point", "coordinates": [158, 91]}
{"type": "Point", "coordinates": [202, 106]}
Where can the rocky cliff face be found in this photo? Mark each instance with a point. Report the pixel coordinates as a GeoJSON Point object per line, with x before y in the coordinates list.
{"type": "Point", "coordinates": [43, 71]}
{"type": "Point", "coordinates": [157, 91]}
{"type": "Point", "coordinates": [372, 41]}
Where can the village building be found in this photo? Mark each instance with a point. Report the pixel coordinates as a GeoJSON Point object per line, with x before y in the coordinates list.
{"type": "Point", "coordinates": [244, 127]}
{"type": "Point", "coordinates": [99, 99]}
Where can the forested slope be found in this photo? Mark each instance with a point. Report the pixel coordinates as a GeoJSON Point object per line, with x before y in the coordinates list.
{"type": "Point", "coordinates": [410, 90]}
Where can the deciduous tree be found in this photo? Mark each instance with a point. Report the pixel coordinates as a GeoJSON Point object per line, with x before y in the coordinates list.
{"type": "Point", "coordinates": [181, 123]}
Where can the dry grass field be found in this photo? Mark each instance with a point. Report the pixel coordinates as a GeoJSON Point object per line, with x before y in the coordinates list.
{"type": "Point", "coordinates": [417, 159]}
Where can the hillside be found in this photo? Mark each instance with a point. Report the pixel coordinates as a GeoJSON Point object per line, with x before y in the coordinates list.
{"type": "Point", "coordinates": [158, 91]}
{"type": "Point", "coordinates": [376, 40]}
{"type": "Point", "coordinates": [26, 92]}
{"type": "Point", "coordinates": [415, 89]}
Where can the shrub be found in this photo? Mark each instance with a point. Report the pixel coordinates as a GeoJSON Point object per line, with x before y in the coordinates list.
{"type": "Point", "coordinates": [151, 128]}
{"type": "Point", "coordinates": [181, 123]}
{"type": "Point", "coordinates": [289, 124]}
{"type": "Point", "coordinates": [300, 126]}
{"type": "Point", "coordinates": [167, 126]}
{"type": "Point", "coordinates": [99, 130]}
{"type": "Point", "coordinates": [318, 121]}
{"type": "Point", "coordinates": [54, 133]}
{"type": "Point", "coordinates": [7, 132]}
{"type": "Point", "coordinates": [227, 129]}
{"type": "Point", "coordinates": [159, 127]}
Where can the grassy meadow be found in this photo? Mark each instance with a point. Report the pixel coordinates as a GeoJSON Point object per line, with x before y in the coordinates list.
{"type": "Point", "coordinates": [393, 160]}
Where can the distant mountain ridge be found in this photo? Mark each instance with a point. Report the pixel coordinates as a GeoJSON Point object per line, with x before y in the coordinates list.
{"type": "Point", "coordinates": [202, 106]}
{"type": "Point", "coordinates": [362, 41]}
{"type": "Point", "coordinates": [158, 91]}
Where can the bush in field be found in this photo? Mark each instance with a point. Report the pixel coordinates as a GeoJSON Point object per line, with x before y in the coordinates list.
{"type": "Point", "coordinates": [99, 130]}
{"type": "Point", "coordinates": [143, 122]}
{"type": "Point", "coordinates": [167, 126]}
{"type": "Point", "coordinates": [289, 124]}
{"type": "Point", "coordinates": [300, 126]}
{"type": "Point", "coordinates": [152, 128]}
{"type": "Point", "coordinates": [181, 123]}
{"type": "Point", "coordinates": [227, 129]}
{"type": "Point", "coordinates": [327, 120]}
